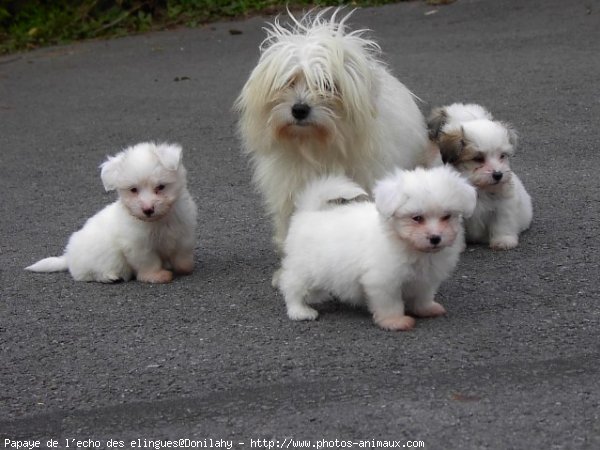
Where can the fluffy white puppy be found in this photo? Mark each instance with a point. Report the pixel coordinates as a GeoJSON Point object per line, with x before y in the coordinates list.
{"type": "Point", "coordinates": [390, 254]}
{"type": "Point", "coordinates": [320, 102]}
{"type": "Point", "coordinates": [147, 233]}
{"type": "Point", "coordinates": [480, 148]}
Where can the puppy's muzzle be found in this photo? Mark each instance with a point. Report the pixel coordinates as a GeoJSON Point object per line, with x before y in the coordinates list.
{"type": "Point", "coordinates": [300, 111]}
{"type": "Point", "coordinates": [148, 212]}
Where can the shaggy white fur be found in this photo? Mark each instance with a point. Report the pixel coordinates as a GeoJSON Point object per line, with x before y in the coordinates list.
{"type": "Point", "coordinates": [320, 102]}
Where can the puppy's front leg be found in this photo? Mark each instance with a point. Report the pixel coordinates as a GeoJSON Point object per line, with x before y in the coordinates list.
{"type": "Point", "coordinates": [148, 267]}
{"type": "Point", "coordinates": [388, 308]}
{"type": "Point", "coordinates": [183, 262]}
{"type": "Point", "coordinates": [424, 304]}
{"type": "Point", "coordinates": [503, 231]}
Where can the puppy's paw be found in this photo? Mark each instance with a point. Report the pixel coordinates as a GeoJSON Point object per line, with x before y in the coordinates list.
{"type": "Point", "coordinates": [184, 265]}
{"type": "Point", "coordinates": [504, 242]}
{"type": "Point", "coordinates": [395, 322]}
{"type": "Point", "coordinates": [432, 309]}
{"type": "Point", "coordinates": [276, 277]}
{"type": "Point", "coordinates": [160, 276]}
{"type": "Point", "coordinates": [302, 312]}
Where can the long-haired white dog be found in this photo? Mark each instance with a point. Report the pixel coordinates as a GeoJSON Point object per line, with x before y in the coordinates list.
{"type": "Point", "coordinates": [320, 102]}
{"type": "Point", "coordinates": [147, 233]}
{"type": "Point", "coordinates": [392, 254]}
{"type": "Point", "coordinates": [480, 148]}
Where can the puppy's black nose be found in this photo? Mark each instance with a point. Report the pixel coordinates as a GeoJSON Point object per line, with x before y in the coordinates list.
{"type": "Point", "coordinates": [300, 111]}
{"type": "Point", "coordinates": [497, 175]}
{"type": "Point", "coordinates": [148, 211]}
{"type": "Point", "coordinates": [435, 239]}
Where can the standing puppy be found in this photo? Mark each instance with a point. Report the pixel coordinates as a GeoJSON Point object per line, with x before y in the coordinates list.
{"type": "Point", "coordinates": [147, 233]}
{"type": "Point", "coordinates": [480, 148]}
{"type": "Point", "coordinates": [390, 255]}
{"type": "Point", "coordinates": [320, 102]}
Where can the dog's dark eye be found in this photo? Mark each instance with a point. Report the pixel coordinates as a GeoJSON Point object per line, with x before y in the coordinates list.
{"type": "Point", "coordinates": [418, 219]}
{"type": "Point", "coordinates": [504, 156]}
{"type": "Point", "coordinates": [479, 159]}
{"type": "Point", "coordinates": [160, 187]}
{"type": "Point", "coordinates": [133, 190]}
{"type": "Point", "coordinates": [446, 218]}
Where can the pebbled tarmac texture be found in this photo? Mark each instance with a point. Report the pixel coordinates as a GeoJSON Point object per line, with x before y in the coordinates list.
{"type": "Point", "coordinates": [515, 364]}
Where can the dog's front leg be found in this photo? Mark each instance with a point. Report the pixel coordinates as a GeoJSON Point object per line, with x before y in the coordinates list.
{"type": "Point", "coordinates": [503, 230]}
{"type": "Point", "coordinates": [147, 266]}
{"type": "Point", "coordinates": [423, 303]}
{"type": "Point", "coordinates": [387, 307]}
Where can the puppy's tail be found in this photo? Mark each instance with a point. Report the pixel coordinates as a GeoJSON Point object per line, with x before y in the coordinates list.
{"type": "Point", "coordinates": [324, 193]}
{"type": "Point", "coordinates": [52, 264]}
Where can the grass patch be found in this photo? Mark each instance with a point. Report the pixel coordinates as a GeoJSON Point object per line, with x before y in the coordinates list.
{"type": "Point", "coordinates": [28, 24]}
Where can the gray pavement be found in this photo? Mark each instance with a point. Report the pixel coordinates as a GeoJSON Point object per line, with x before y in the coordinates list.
{"type": "Point", "coordinates": [515, 364]}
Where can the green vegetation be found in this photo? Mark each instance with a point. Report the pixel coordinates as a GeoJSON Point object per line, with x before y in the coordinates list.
{"type": "Point", "coordinates": [28, 24]}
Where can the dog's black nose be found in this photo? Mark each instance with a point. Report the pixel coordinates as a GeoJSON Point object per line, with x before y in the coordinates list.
{"type": "Point", "coordinates": [300, 111]}
{"type": "Point", "coordinates": [435, 239]}
{"type": "Point", "coordinates": [497, 175]}
{"type": "Point", "coordinates": [148, 211]}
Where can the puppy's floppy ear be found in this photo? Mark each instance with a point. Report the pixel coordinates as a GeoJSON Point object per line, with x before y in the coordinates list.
{"type": "Point", "coordinates": [388, 195]}
{"type": "Point", "coordinates": [435, 123]}
{"type": "Point", "coordinates": [512, 134]}
{"type": "Point", "coordinates": [169, 155]}
{"type": "Point", "coordinates": [111, 169]}
{"type": "Point", "coordinates": [451, 144]}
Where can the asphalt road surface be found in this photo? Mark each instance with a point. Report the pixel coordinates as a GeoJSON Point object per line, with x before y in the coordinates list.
{"type": "Point", "coordinates": [514, 364]}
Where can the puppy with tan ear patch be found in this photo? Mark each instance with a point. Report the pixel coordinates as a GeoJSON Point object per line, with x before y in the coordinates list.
{"type": "Point", "coordinates": [148, 233]}
{"type": "Point", "coordinates": [480, 148]}
{"type": "Point", "coordinates": [391, 255]}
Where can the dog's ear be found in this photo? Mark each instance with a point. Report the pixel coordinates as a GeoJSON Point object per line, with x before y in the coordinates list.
{"type": "Point", "coordinates": [512, 134]}
{"type": "Point", "coordinates": [169, 155]}
{"type": "Point", "coordinates": [388, 195]}
{"type": "Point", "coordinates": [111, 169]}
{"type": "Point", "coordinates": [435, 123]}
{"type": "Point", "coordinates": [451, 144]}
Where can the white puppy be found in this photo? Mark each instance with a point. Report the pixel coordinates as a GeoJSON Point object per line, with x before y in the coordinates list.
{"type": "Point", "coordinates": [320, 102]}
{"type": "Point", "coordinates": [480, 147]}
{"type": "Point", "coordinates": [388, 254]}
{"type": "Point", "coordinates": [147, 233]}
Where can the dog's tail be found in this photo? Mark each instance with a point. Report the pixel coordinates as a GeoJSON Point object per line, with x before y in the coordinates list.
{"type": "Point", "coordinates": [52, 264]}
{"type": "Point", "coordinates": [323, 193]}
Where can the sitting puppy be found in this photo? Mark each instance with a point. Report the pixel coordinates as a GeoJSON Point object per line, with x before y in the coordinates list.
{"type": "Point", "coordinates": [388, 254]}
{"type": "Point", "coordinates": [480, 147]}
{"type": "Point", "coordinates": [149, 229]}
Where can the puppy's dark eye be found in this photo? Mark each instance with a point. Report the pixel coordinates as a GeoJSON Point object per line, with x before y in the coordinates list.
{"type": "Point", "coordinates": [133, 190]}
{"type": "Point", "coordinates": [480, 159]}
{"type": "Point", "coordinates": [159, 188]}
{"type": "Point", "coordinates": [418, 219]}
{"type": "Point", "coordinates": [504, 156]}
{"type": "Point", "coordinates": [446, 218]}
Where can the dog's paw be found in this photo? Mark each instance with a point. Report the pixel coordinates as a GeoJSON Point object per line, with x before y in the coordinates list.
{"type": "Point", "coordinates": [302, 312]}
{"type": "Point", "coordinates": [395, 322]}
{"type": "Point", "coordinates": [160, 276]}
{"type": "Point", "coordinates": [504, 242]}
{"type": "Point", "coordinates": [432, 309]}
{"type": "Point", "coordinates": [184, 266]}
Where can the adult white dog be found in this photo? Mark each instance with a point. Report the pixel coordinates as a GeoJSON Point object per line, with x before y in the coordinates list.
{"type": "Point", "coordinates": [320, 102]}
{"type": "Point", "coordinates": [390, 255]}
{"type": "Point", "coordinates": [148, 233]}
